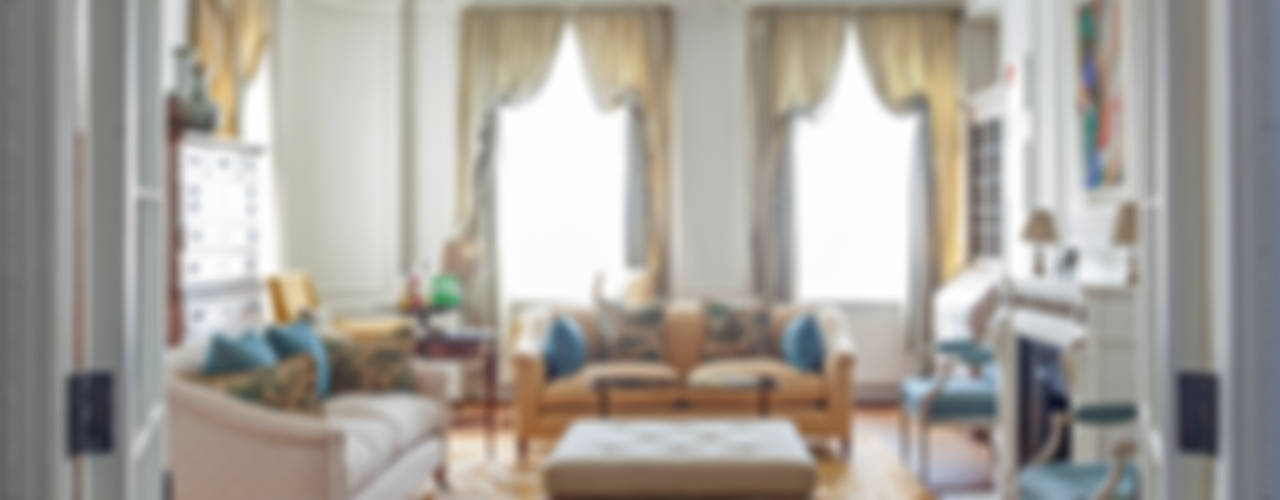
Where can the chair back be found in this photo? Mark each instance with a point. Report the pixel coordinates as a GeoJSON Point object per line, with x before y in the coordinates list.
{"type": "Point", "coordinates": [292, 293]}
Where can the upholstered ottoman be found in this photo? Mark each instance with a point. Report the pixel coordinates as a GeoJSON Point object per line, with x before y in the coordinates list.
{"type": "Point", "coordinates": [756, 458]}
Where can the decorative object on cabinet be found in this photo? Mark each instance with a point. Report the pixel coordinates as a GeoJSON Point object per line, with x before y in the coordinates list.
{"type": "Point", "coordinates": [1040, 231]}
{"type": "Point", "coordinates": [215, 279]}
{"type": "Point", "coordinates": [1067, 263]}
{"type": "Point", "coordinates": [1125, 235]}
{"type": "Point", "coordinates": [196, 111]}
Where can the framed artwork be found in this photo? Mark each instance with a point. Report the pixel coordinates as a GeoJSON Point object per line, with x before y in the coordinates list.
{"type": "Point", "coordinates": [1100, 94]}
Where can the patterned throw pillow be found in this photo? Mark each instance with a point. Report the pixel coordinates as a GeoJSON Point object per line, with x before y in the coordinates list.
{"type": "Point", "coordinates": [630, 333]}
{"type": "Point", "coordinates": [375, 365]}
{"type": "Point", "coordinates": [735, 332]}
{"type": "Point", "coordinates": [289, 385]}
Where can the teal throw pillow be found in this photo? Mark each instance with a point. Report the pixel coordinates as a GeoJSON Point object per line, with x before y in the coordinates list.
{"type": "Point", "coordinates": [564, 348]}
{"type": "Point", "coordinates": [301, 338]}
{"type": "Point", "coordinates": [802, 344]}
{"type": "Point", "coordinates": [233, 355]}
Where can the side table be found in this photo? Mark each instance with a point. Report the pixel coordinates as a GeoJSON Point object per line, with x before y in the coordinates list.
{"type": "Point", "coordinates": [465, 345]}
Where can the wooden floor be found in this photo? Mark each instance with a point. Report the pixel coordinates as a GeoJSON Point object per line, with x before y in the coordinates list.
{"type": "Point", "coordinates": [961, 464]}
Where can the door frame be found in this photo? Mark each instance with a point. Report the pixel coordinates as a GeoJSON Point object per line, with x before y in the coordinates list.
{"type": "Point", "coordinates": [37, 50]}
{"type": "Point", "coordinates": [1242, 60]}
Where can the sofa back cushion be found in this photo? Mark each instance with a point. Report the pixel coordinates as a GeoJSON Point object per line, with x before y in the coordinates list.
{"type": "Point", "coordinates": [631, 333]}
{"type": "Point", "coordinates": [249, 351]}
{"type": "Point", "coordinates": [735, 331]}
{"type": "Point", "coordinates": [683, 330]}
{"type": "Point", "coordinates": [289, 385]}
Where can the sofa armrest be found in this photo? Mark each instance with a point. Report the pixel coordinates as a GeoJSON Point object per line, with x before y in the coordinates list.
{"type": "Point", "coordinates": [530, 373]}
{"type": "Point", "coordinates": [222, 447]}
{"type": "Point", "coordinates": [838, 366]}
{"type": "Point", "coordinates": [432, 381]}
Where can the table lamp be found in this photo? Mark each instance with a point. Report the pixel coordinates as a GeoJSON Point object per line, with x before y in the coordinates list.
{"type": "Point", "coordinates": [1040, 231]}
{"type": "Point", "coordinates": [1125, 235]}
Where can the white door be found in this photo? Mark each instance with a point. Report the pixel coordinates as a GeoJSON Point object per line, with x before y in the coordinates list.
{"type": "Point", "coordinates": [127, 249]}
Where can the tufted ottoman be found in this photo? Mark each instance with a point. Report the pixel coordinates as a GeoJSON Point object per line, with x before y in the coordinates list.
{"type": "Point", "coordinates": [756, 458]}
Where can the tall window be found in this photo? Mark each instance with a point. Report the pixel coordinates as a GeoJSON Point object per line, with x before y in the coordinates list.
{"type": "Point", "coordinates": [560, 169]}
{"type": "Point", "coordinates": [851, 166]}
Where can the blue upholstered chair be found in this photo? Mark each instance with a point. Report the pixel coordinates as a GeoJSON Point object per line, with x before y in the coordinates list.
{"type": "Point", "coordinates": [966, 399]}
{"type": "Point", "coordinates": [1115, 479]}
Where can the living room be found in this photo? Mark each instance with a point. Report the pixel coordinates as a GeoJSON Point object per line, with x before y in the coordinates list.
{"type": "Point", "coordinates": [605, 249]}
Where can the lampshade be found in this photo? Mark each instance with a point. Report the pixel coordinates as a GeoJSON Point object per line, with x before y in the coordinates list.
{"type": "Point", "coordinates": [461, 256]}
{"type": "Point", "coordinates": [1125, 232]}
{"type": "Point", "coordinates": [1040, 228]}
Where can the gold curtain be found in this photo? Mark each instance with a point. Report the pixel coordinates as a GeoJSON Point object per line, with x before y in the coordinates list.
{"type": "Point", "coordinates": [794, 56]}
{"type": "Point", "coordinates": [628, 58]}
{"type": "Point", "coordinates": [505, 54]}
{"type": "Point", "coordinates": [230, 39]}
{"type": "Point", "coordinates": [911, 55]}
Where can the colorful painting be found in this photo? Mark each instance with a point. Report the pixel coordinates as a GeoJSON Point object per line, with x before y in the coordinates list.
{"type": "Point", "coordinates": [1100, 94]}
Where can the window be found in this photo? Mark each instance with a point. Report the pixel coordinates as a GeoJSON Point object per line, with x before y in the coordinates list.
{"type": "Point", "coordinates": [560, 170]}
{"type": "Point", "coordinates": [851, 166]}
{"type": "Point", "coordinates": [985, 201]}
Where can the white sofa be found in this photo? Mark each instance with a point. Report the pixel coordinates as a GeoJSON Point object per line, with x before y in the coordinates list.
{"type": "Point", "coordinates": [365, 445]}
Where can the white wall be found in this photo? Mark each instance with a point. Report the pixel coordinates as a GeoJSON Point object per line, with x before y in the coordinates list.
{"type": "Point", "coordinates": [711, 159]}
{"type": "Point", "coordinates": [337, 146]}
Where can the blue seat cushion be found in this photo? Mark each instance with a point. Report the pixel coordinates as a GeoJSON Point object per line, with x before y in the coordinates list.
{"type": "Point", "coordinates": [1106, 413]}
{"type": "Point", "coordinates": [1074, 481]}
{"type": "Point", "coordinates": [962, 398]}
{"type": "Point", "coordinates": [802, 344]}
{"type": "Point", "coordinates": [301, 338]}
{"type": "Point", "coordinates": [564, 348]}
{"type": "Point", "coordinates": [248, 352]}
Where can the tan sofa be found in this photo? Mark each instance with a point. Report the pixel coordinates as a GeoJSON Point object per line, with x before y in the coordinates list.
{"type": "Point", "coordinates": [365, 446]}
{"type": "Point", "coordinates": [818, 403]}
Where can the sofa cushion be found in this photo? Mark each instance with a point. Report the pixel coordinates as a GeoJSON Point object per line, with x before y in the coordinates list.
{"type": "Point", "coordinates": [409, 416]}
{"type": "Point", "coordinates": [226, 355]}
{"type": "Point", "coordinates": [376, 365]}
{"type": "Point", "coordinates": [735, 331]}
{"type": "Point", "coordinates": [302, 338]}
{"type": "Point", "coordinates": [368, 445]}
{"type": "Point", "coordinates": [579, 390]}
{"type": "Point", "coordinates": [564, 348]}
{"type": "Point", "coordinates": [289, 385]}
{"type": "Point", "coordinates": [802, 344]}
{"type": "Point", "coordinates": [961, 399]}
{"type": "Point", "coordinates": [630, 333]}
{"type": "Point", "coordinates": [791, 385]}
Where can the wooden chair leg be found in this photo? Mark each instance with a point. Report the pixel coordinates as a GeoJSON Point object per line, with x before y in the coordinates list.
{"type": "Point", "coordinates": [442, 477]}
{"type": "Point", "coordinates": [522, 449]}
{"type": "Point", "coordinates": [923, 438]}
{"type": "Point", "coordinates": [904, 438]}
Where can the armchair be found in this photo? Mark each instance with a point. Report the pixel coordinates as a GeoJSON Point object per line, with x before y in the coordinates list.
{"type": "Point", "coordinates": [950, 399]}
{"type": "Point", "coordinates": [293, 294]}
{"type": "Point", "coordinates": [1118, 479]}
